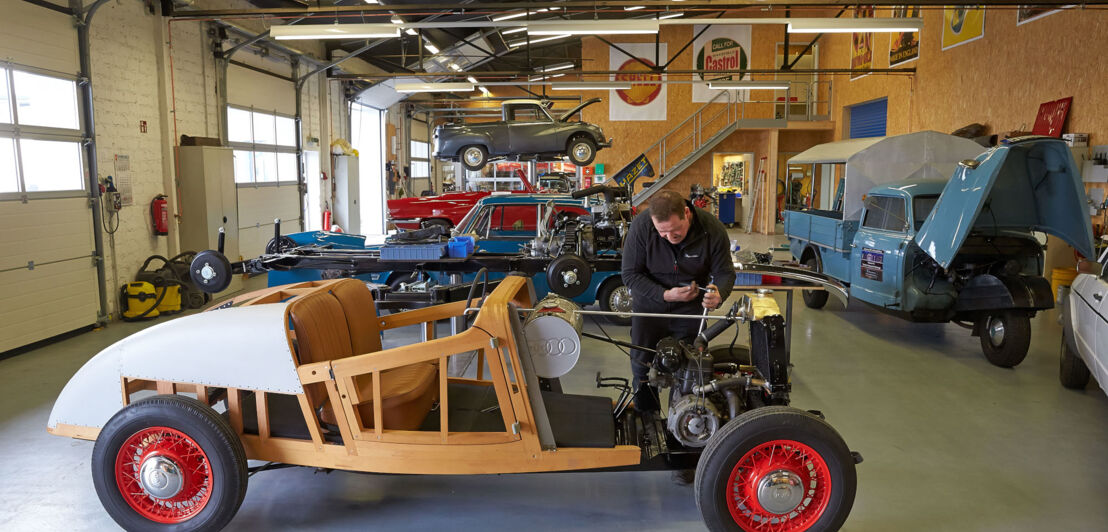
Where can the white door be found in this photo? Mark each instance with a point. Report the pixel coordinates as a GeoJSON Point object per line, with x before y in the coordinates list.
{"type": "Point", "coordinates": [1083, 309]}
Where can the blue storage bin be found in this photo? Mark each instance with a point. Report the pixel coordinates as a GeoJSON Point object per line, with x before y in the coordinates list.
{"type": "Point", "coordinates": [748, 279]}
{"type": "Point", "coordinates": [456, 249]}
{"type": "Point", "coordinates": [469, 242]}
{"type": "Point", "coordinates": [413, 252]}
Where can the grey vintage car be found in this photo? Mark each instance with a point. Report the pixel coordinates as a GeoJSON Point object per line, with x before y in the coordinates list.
{"type": "Point", "coordinates": [525, 130]}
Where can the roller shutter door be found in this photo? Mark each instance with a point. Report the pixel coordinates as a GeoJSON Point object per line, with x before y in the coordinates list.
{"type": "Point", "coordinates": [868, 119]}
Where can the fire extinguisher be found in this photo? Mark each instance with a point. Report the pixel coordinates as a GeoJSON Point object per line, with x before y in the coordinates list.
{"type": "Point", "coordinates": [159, 214]}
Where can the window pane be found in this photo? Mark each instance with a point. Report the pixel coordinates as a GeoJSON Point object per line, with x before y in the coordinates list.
{"type": "Point", "coordinates": [263, 129]}
{"type": "Point", "coordinates": [265, 167]}
{"type": "Point", "coordinates": [895, 218]}
{"type": "Point", "coordinates": [238, 125]}
{"type": "Point", "coordinates": [45, 101]}
{"type": "Point", "coordinates": [286, 166]}
{"type": "Point", "coordinates": [5, 102]}
{"type": "Point", "coordinates": [419, 150]}
{"type": "Point", "coordinates": [244, 166]}
{"type": "Point", "coordinates": [51, 165]}
{"type": "Point", "coordinates": [8, 180]}
{"type": "Point", "coordinates": [286, 131]}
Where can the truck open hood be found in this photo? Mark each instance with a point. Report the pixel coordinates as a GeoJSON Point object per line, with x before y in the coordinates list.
{"type": "Point", "coordinates": [1029, 184]}
{"type": "Point", "coordinates": [569, 114]}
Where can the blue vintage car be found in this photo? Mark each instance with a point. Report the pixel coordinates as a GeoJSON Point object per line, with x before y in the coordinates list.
{"type": "Point", "coordinates": [960, 250]}
{"type": "Point", "coordinates": [500, 223]}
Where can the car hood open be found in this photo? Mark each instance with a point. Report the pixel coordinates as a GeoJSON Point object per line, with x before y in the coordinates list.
{"type": "Point", "coordinates": [569, 114]}
{"type": "Point", "coordinates": [1029, 184]}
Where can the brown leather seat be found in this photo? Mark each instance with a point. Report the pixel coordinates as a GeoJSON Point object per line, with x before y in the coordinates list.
{"type": "Point", "coordinates": [342, 321]}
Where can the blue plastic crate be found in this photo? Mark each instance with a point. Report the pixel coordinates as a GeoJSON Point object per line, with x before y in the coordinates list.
{"type": "Point", "coordinates": [456, 249]}
{"type": "Point", "coordinates": [470, 244]}
{"type": "Point", "coordinates": [413, 252]}
{"type": "Point", "coordinates": [748, 279]}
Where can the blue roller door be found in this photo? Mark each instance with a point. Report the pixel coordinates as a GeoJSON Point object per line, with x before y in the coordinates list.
{"type": "Point", "coordinates": [868, 119]}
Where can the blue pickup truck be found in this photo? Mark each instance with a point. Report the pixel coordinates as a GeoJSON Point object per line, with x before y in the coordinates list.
{"type": "Point", "coordinates": [955, 250]}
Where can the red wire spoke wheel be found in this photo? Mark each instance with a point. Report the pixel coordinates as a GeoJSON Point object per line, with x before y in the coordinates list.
{"type": "Point", "coordinates": [775, 469]}
{"type": "Point", "coordinates": [163, 475]}
{"type": "Point", "coordinates": [169, 460]}
{"type": "Point", "coordinates": [782, 485]}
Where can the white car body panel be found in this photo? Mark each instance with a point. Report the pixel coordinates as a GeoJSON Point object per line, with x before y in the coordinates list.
{"type": "Point", "coordinates": [1090, 325]}
{"type": "Point", "coordinates": [243, 347]}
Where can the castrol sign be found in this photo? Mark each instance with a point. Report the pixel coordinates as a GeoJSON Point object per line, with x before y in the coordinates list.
{"type": "Point", "coordinates": [720, 54]}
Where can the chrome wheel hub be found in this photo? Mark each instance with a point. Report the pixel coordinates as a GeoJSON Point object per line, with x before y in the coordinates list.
{"type": "Point", "coordinates": [207, 272]}
{"type": "Point", "coordinates": [995, 330]}
{"type": "Point", "coordinates": [780, 492]}
{"type": "Point", "coordinates": [620, 300]}
{"type": "Point", "coordinates": [473, 156]}
{"type": "Point", "coordinates": [581, 151]}
{"type": "Point", "coordinates": [569, 277]}
{"type": "Point", "coordinates": [160, 477]}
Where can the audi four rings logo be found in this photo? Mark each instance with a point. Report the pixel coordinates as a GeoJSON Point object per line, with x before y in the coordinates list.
{"type": "Point", "coordinates": [555, 347]}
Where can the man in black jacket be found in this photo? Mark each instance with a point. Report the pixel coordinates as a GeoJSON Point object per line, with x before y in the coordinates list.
{"type": "Point", "coordinates": [672, 250]}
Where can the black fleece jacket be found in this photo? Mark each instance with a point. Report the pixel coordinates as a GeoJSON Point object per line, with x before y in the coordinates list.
{"type": "Point", "coordinates": [651, 265]}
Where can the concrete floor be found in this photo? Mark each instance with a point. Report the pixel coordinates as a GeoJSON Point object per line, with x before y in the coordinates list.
{"type": "Point", "coordinates": [950, 443]}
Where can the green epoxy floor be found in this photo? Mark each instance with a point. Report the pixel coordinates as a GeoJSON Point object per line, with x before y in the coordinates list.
{"type": "Point", "coordinates": [950, 443]}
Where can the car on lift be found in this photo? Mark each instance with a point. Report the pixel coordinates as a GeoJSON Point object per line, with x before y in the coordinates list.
{"type": "Point", "coordinates": [557, 182]}
{"type": "Point", "coordinates": [1084, 327]}
{"type": "Point", "coordinates": [525, 130]}
{"type": "Point", "coordinates": [312, 386]}
{"type": "Point", "coordinates": [961, 250]}
{"type": "Point", "coordinates": [444, 210]}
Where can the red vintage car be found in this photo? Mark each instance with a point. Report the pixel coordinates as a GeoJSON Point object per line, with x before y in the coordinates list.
{"type": "Point", "coordinates": [445, 210]}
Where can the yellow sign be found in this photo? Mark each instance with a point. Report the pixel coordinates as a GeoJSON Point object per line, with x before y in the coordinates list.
{"type": "Point", "coordinates": [962, 25]}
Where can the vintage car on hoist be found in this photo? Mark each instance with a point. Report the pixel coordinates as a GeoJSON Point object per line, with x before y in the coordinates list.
{"type": "Point", "coordinates": [446, 210]}
{"type": "Point", "coordinates": [525, 130]}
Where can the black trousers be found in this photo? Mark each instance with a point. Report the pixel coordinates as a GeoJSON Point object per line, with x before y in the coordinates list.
{"type": "Point", "coordinates": [646, 332]}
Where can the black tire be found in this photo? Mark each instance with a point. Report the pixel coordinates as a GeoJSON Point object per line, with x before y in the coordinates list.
{"type": "Point", "coordinates": [814, 298]}
{"type": "Point", "coordinates": [581, 151]}
{"type": "Point", "coordinates": [201, 427]}
{"type": "Point", "coordinates": [1011, 348]}
{"type": "Point", "coordinates": [778, 424]}
{"type": "Point", "coordinates": [614, 296]}
{"type": "Point", "coordinates": [474, 160]}
{"type": "Point", "coordinates": [1073, 373]}
{"type": "Point", "coordinates": [436, 222]}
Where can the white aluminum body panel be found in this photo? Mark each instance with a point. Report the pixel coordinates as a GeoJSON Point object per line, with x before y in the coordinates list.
{"type": "Point", "coordinates": [243, 347]}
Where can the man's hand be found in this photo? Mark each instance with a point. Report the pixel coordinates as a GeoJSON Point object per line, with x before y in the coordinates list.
{"type": "Point", "coordinates": [712, 299]}
{"type": "Point", "coordinates": [681, 293]}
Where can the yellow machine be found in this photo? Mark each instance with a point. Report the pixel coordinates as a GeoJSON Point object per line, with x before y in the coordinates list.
{"type": "Point", "coordinates": [139, 300]}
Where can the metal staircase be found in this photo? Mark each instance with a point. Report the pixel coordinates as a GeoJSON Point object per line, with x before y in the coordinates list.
{"type": "Point", "coordinates": [695, 136]}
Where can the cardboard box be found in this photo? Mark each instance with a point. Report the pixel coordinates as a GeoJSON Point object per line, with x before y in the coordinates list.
{"type": "Point", "coordinates": [1076, 140]}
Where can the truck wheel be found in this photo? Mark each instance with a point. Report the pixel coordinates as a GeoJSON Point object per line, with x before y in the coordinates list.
{"type": "Point", "coordinates": [1073, 372]}
{"type": "Point", "coordinates": [1005, 338]}
{"type": "Point", "coordinates": [169, 461]}
{"type": "Point", "coordinates": [775, 468]}
{"type": "Point", "coordinates": [814, 298]}
{"type": "Point", "coordinates": [582, 150]}
{"type": "Point", "coordinates": [474, 157]}
{"type": "Point", "coordinates": [616, 297]}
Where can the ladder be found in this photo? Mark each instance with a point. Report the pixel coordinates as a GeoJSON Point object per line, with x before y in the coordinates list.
{"type": "Point", "coordinates": [755, 196]}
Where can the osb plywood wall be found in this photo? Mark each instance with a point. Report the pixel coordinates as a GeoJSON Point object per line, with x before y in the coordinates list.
{"type": "Point", "coordinates": [998, 80]}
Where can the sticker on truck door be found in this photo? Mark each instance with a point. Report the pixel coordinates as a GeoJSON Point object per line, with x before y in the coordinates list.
{"type": "Point", "coordinates": [872, 264]}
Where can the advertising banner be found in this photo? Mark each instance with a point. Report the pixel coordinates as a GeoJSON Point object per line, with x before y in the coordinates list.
{"type": "Point", "coordinates": [861, 51]}
{"type": "Point", "coordinates": [962, 25]}
{"type": "Point", "coordinates": [646, 99]}
{"type": "Point", "coordinates": [1029, 12]}
{"type": "Point", "coordinates": [721, 47]}
{"type": "Point", "coordinates": [904, 46]}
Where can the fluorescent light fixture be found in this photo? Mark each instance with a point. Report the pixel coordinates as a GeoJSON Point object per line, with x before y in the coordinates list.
{"type": "Point", "coordinates": [454, 66]}
{"type": "Point", "coordinates": [544, 77]}
{"type": "Point", "coordinates": [756, 85]}
{"type": "Point", "coordinates": [371, 1]}
{"type": "Point", "coordinates": [854, 25]}
{"type": "Point", "coordinates": [484, 90]}
{"type": "Point", "coordinates": [633, 8]}
{"type": "Point", "coordinates": [556, 66]}
{"type": "Point", "coordinates": [594, 27]}
{"type": "Point", "coordinates": [410, 31]}
{"type": "Point", "coordinates": [543, 10]}
{"type": "Point", "coordinates": [670, 15]}
{"type": "Point", "coordinates": [514, 30]}
{"type": "Point", "coordinates": [434, 87]}
{"type": "Point", "coordinates": [471, 79]}
{"type": "Point", "coordinates": [522, 42]}
{"type": "Point", "coordinates": [396, 19]}
{"type": "Point", "coordinates": [430, 47]}
{"type": "Point", "coordinates": [590, 85]}
{"type": "Point", "coordinates": [286, 32]}
{"type": "Point", "coordinates": [509, 16]}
